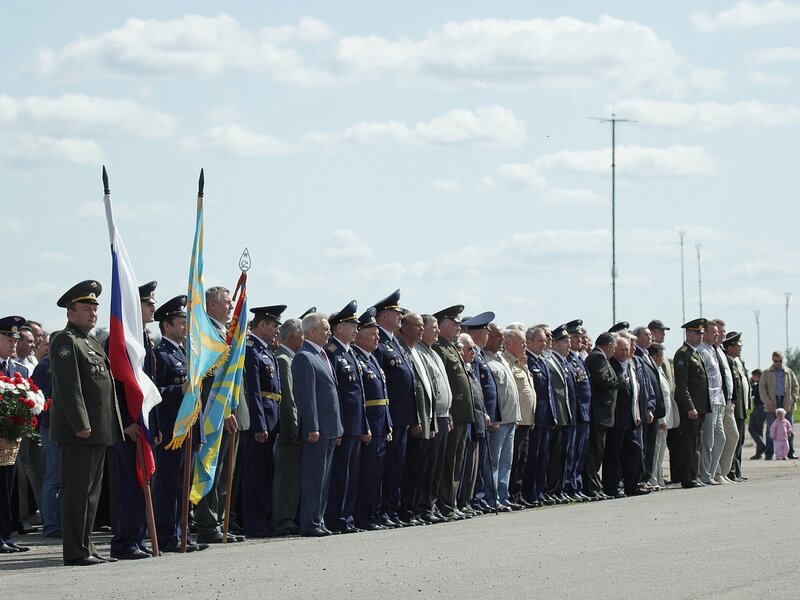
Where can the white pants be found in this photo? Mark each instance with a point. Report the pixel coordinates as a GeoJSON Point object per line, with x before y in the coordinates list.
{"type": "Point", "coordinates": [731, 441]}
{"type": "Point", "coordinates": [657, 478]}
{"type": "Point", "coordinates": [712, 441]}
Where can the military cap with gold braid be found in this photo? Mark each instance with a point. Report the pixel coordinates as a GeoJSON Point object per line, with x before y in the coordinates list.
{"type": "Point", "coordinates": [313, 309]}
{"type": "Point", "coordinates": [174, 307]}
{"type": "Point", "coordinates": [391, 302]}
{"type": "Point", "coordinates": [346, 315]}
{"type": "Point", "coordinates": [273, 312]}
{"type": "Point", "coordinates": [85, 291]}
{"type": "Point", "coordinates": [560, 332]}
{"type": "Point", "coordinates": [367, 319]}
{"type": "Point", "coordinates": [621, 326]}
{"type": "Point", "coordinates": [731, 338]}
{"type": "Point", "coordinates": [10, 326]}
{"type": "Point", "coordinates": [452, 312]}
{"type": "Point", "coordinates": [575, 326]}
{"type": "Point", "coordinates": [479, 321]}
{"type": "Point", "coordinates": [696, 325]}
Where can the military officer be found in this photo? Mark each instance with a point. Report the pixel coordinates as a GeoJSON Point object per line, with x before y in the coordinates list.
{"type": "Point", "coordinates": [128, 541]}
{"type": "Point", "coordinates": [402, 403]}
{"type": "Point", "coordinates": [288, 460]}
{"type": "Point", "coordinates": [171, 373]}
{"type": "Point", "coordinates": [583, 388]}
{"type": "Point", "coordinates": [691, 396]}
{"type": "Point", "coordinates": [461, 410]}
{"type": "Point", "coordinates": [339, 514]}
{"type": "Point", "coordinates": [263, 390]}
{"type": "Point", "coordinates": [373, 456]}
{"type": "Point", "coordinates": [84, 420]}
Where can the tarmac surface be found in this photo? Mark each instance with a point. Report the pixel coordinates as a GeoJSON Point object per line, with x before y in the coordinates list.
{"type": "Point", "coordinates": [737, 540]}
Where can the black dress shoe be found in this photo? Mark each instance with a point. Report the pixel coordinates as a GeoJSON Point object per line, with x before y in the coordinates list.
{"type": "Point", "coordinates": [214, 538]}
{"type": "Point", "coordinates": [429, 518]}
{"type": "Point", "coordinates": [316, 532]}
{"type": "Point", "coordinates": [792, 456]}
{"type": "Point", "coordinates": [691, 484]}
{"type": "Point", "coordinates": [638, 492]}
{"type": "Point", "coordinates": [107, 559]}
{"type": "Point", "coordinates": [618, 495]}
{"type": "Point", "coordinates": [374, 527]}
{"type": "Point", "coordinates": [389, 524]}
{"type": "Point", "coordinates": [137, 554]}
{"type": "Point", "coordinates": [757, 456]}
{"type": "Point", "coordinates": [6, 549]}
{"type": "Point", "coordinates": [83, 562]}
{"type": "Point", "coordinates": [514, 505]}
{"type": "Point", "coordinates": [17, 546]}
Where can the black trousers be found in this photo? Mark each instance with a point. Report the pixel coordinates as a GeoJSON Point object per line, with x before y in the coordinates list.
{"type": "Point", "coordinates": [736, 467]}
{"type": "Point", "coordinates": [649, 430]}
{"type": "Point", "coordinates": [555, 462]}
{"type": "Point", "coordinates": [519, 461]}
{"type": "Point", "coordinates": [690, 434]}
{"type": "Point", "coordinates": [623, 453]}
{"type": "Point", "coordinates": [594, 458]}
{"type": "Point", "coordinates": [418, 476]}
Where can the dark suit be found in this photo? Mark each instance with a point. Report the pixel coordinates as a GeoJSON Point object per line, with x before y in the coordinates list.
{"type": "Point", "coordinates": [83, 398]}
{"type": "Point", "coordinates": [534, 481]}
{"type": "Point", "coordinates": [623, 445]}
{"type": "Point", "coordinates": [691, 393]}
{"type": "Point", "coordinates": [605, 384]}
{"type": "Point", "coordinates": [263, 392]}
{"type": "Point", "coordinates": [583, 387]}
{"type": "Point", "coordinates": [288, 455]}
{"type": "Point", "coordinates": [563, 386]}
{"type": "Point", "coordinates": [171, 372]}
{"type": "Point", "coordinates": [317, 411]}
{"type": "Point", "coordinates": [650, 430]}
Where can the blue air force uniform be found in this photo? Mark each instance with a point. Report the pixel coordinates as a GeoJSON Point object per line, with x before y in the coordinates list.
{"type": "Point", "coordinates": [379, 418]}
{"type": "Point", "coordinates": [583, 387]}
{"type": "Point", "coordinates": [263, 392]}
{"type": "Point", "coordinates": [339, 514]}
{"type": "Point", "coordinates": [535, 478]}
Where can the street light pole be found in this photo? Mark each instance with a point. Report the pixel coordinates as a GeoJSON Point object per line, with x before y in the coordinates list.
{"type": "Point", "coordinates": [788, 295]}
{"type": "Point", "coordinates": [683, 285]}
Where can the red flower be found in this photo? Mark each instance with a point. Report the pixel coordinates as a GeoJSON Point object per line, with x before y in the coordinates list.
{"type": "Point", "coordinates": [34, 421]}
{"type": "Point", "coordinates": [34, 387]}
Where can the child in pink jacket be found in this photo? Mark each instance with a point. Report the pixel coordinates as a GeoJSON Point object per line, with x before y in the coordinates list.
{"type": "Point", "coordinates": [780, 432]}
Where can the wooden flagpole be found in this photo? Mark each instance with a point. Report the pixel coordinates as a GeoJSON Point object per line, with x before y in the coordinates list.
{"type": "Point", "coordinates": [187, 488]}
{"type": "Point", "coordinates": [148, 499]}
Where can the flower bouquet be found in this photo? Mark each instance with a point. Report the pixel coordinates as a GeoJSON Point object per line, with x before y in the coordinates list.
{"type": "Point", "coordinates": [20, 402]}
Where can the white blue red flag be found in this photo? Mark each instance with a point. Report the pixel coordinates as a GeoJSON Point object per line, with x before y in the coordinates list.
{"type": "Point", "coordinates": [126, 351]}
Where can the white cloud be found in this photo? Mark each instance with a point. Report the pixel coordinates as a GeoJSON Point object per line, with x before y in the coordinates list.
{"type": "Point", "coordinates": [749, 15]}
{"type": "Point", "coordinates": [9, 225]}
{"type": "Point", "coordinates": [760, 77]}
{"type": "Point", "coordinates": [561, 53]}
{"type": "Point", "coordinates": [746, 297]}
{"type": "Point", "coordinates": [28, 149]}
{"type": "Point", "coordinates": [348, 246]}
{"type": "Point", "coordinates": [632, 161]}
{"type": "Point", "coordinates": [753, 269]}
{"type": "Point", "coordinates": [190, 45]}
{"type": "Point", "coordinates": [447, 185]}
{"type": "Point", "coordinates": [776, 55]}
{"type": "Point", "coordinates": [572, 197]}
{"type": "Point", "coordinates": [235, 140]}
{"type": "Point", "coordinates": [54, 257]}
{"type": "Point", "coordinates": [488, 126]}
{"type": "Point", "coordinates": [72, 113]}
{"type": "Point", "coordinates": [515, 177]}
{"type": "Point", "coordinates": [708, 116]}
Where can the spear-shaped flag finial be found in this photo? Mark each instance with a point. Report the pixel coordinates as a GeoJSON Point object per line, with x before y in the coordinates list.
{"type": "Point", "coordinates": [201, 184]}
{"type": "Point", "coordinates": [244, 261]}
{"type": "Point", "coordinates": [106, 191]}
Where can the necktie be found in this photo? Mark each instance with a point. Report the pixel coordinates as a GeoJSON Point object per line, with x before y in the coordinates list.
{"type": "Point", "coordinates": [327, 360]}
{"type": "Point", "coordinates": [4, 367]}
{"type": "Point", "coordinates": [637, 416]}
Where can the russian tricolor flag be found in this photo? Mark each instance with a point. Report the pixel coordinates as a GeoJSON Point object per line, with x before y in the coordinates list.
{"type": "Point", "coordinates": [126, 350]}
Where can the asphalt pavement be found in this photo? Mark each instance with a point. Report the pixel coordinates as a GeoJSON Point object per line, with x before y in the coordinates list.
{"type": "Point", "coordinates": [737, 540]}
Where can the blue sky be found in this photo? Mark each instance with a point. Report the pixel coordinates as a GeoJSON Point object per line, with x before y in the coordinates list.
{"type": "Point", "coordinates": [445, 150]}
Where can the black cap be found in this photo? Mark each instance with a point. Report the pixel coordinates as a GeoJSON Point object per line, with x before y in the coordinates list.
{"type": "Point", "coordinates": [313, 309]}
{"type": "Point", "coordinates": [453, 313]}
{"type": "Point", "coordinates": [85, 291]}
{"type": "Point", "coordinates": [480, 321]}
{"type": "Point", "coordinates": [574, 326]}
{"type": "Point", "coordinates": [10, 326]}
{"type": "Point", "coordinates": [657, 324]}
{"type": "Point", "coordinates": [391, 302]}
{"type": "Point", "coordinates": [346, 315]}
{"type": "Point", "coordinates": [696, 325]}
{"type": "Point", "coordinates": [621, 326]}
{"type": "Point", "coordinates": [560, 333]}
{"type": "Point", "coordinates": [732, 337]}
{"type": "Point", "coordinates": [273, 312]}
{"type": "Point", "coordinates": [367, 319]}
{"type": "Point", "coordinates": [147, 292]}
{"type": "Point", "coordinates": [174, 307]}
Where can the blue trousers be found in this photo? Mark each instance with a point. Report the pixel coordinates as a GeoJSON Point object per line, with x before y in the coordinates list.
{"type": "Point", "coordinates": [568, 478]}
{"type": "Point", "coordinates": [534, 482]}
{"type": "Point", "coordinates": [131, 517]}
{"type": "Point", "coordinates": [258, 472]}
{"type": "Point", "coordinates": [370, 480]}
{"type": "Point", "coordinates": [317, 460]}
{"type": "Point", "coordinates": [51, 485]}
{"type": "Point", "coordinates": [167, 495]}
{"type": "Point", "coordinates": [393, 471]}
{"type": "Point", "coordinates": [344, 484]}
{"type": "Point", "coordinates": [581, 449]}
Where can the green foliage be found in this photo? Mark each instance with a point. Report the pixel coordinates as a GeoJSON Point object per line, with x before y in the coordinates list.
{"type": "Point", "coordinates": [793, 360]}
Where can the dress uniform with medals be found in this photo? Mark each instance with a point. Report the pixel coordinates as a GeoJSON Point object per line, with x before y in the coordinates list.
{"type": "Point", "coordinates": [462, 412]}
{"type": "Point", "coordinates": [339, 514]}
{"type": "Point", "coordinates": [83, 402]}
{"type": "Point", "coordinates": [131, 530]}
{"type": "Point", "coordinates": [402, 405]}
{"type": "Point", "coordinates": [583, 387]}
{"type": "Point", "coordinates": [691, 393]}
{"type": "Point", "coordinates": [9, 327]}
{"type": "Point", "coordinates": [379, 418]}
{"type": "Point", "coordinates": [562, 437]}
{"type": "Point", "coordinates": [263, 390]}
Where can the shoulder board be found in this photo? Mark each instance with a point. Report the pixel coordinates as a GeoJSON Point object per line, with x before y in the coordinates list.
{"type": "Point", "coordinates": [332, 347]}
